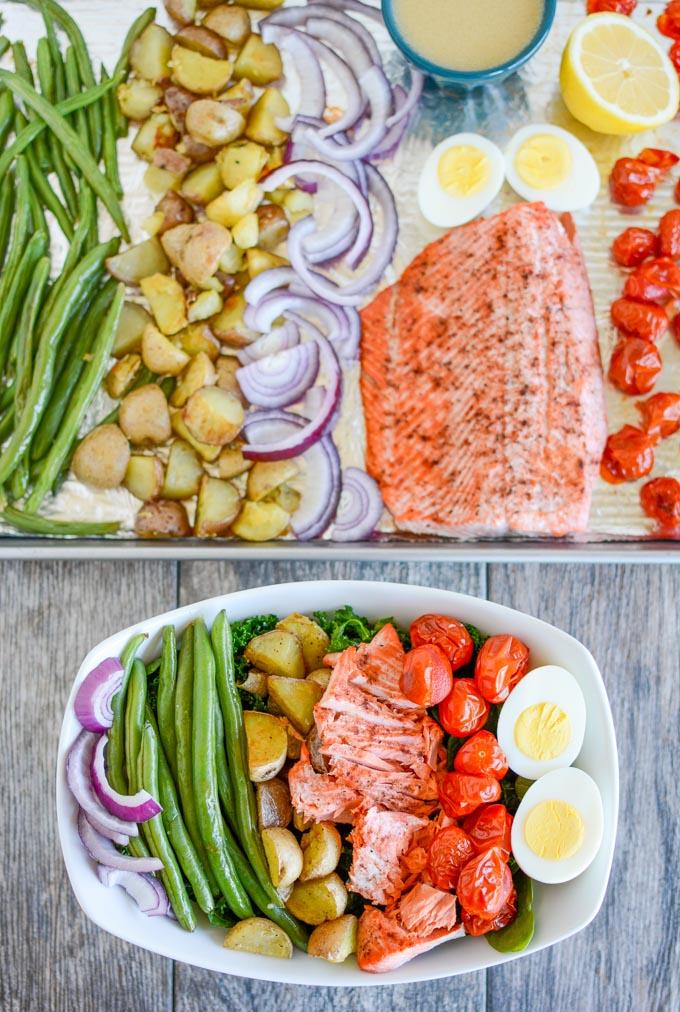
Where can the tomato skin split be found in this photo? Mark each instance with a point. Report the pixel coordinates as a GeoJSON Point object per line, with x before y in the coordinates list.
{"type": "Point", "coordinates": [477, 926]}
{"type": "Point", "coordinates": [660, 415]}
{"type": "Point", "coordinates": [669, 234]}
{"type": "Point", "coordinates": [461, 794]}
{"type": "Point", "coordinates": [632, 182]}
{"type": "Point", "coordinates": [490, 826]}
{"type": "Point", "coordinates": [464, 711]}
{"type": "Point", "coordinates": [485, 884]}
{"type": "Point", "coordinates": [426, 678]}
{"type": "Point", "coordinates": [501, 663]}
{"type": "Point", "coordinates": [636, 319]}
{"type": "Point", "coordinates": [481, 754]}
{"type": "Point", "coordinates": [450, 850]}
{"type": "Point", "coordinates": [634, 365]}
{"type": "Point", "coordinates": [628, 455]}
{"type": "Point", "coordinates": [660, 499]}
{"type": "Point", "coordinates": [633, 246]}
{"type": "Point", "coordinates": [448, 634]}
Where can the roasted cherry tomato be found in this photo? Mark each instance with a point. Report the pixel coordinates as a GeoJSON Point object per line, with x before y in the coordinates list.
{"type": "Point", "coordinates": [633, 246]}
{"type": "Point", "coordinates": [426, 678]}
{"type": "Point", "coordinates": [659, 158]}
{"type": "Point", "coordinates": [460, 794]}
{"type": "Point", "coordinates": [450, 849]}
{"type": "Point", "coordinates": [463, 711]}
{"type": "Point", "coordinates": [668, 23]}
{"type": "Point", "coordinates": [476, 926]}
{"type": "Point", "coordinates": [449, 634]}
{"type": "Point", "coordinates": [628, 455]}
{"type": "Point", "coordinates": [654, 281]}
{"type": "Point", "coordinates": [481, 754]}
{"type": "Point", "coordinates": [632, 182]}
{"type": "Point", "coordinates": [669, 234]}
{"type": "Point", "coordinates": [490, 826]}
{"type": "Point", "coordinates": [500, 664]}
{"type": "Point", "coordinates": [615, 6]}
{"type": "Point", "coordinates": [676, 328]}
{"type": "Point", "coordinates": [485, 884]}
{"type": "Point", "coordinates": [674, 53]}
{"type": "Point", "coordinates": [634, 366]}
{"type": "Point", "coordinates": [660, 499]}
{"type": "Point", "coordinates": [660, 415]}
{"type": "Point", "coordinates": [637, 320]}
{"type": "Point", "coordinates": [676, 192]}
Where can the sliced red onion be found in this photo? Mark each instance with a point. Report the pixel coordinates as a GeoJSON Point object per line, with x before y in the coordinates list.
{"type": "Point", "coordinates": [146, 890]}
{"type": "Point", "coordinates": [366, 10]}
{"type": "Point", "coordinates": [410, 102]}
{"type": "Point", "coordinates": [376, 88]}
{"type": "Point", "coordinates": [307, 68]}
{"type": "Point", "coordinates": [120, 838]}
{"type": "Point", "coordinates": [361, 506]}
{"type": "Point", "coordinates": [279, 339]}
{"type": "Point", "coordinates": [139, 807]}
{"type": "Point", "coordinates": [354, 102]}
{"type": "Point", "coordinates": [343, 40]}
{"type": "Point", "coordinates": [268, 281]}
{"type": "Point", "coordinates": [294, 16]}
{"type": "Point", "coordinates": [313, 401]}
{"type": "Point", "coordinates": [92, 704]}
{"type": "Point", "coordinates": [79, 780]}
{"type": "Point", "coordinates": [104, 852]}
{"type": "Point", "coordinates": [278, 304]}
{"type": "Point", "coordinates": [280, 380]}
{"type": "Point", "coordinates": [299, 441]}
{"type": "Point", "coordinates": [332, 251]}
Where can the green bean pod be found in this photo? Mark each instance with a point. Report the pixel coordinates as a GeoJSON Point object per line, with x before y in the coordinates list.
{"type": "Point", "coordinates": [223, 781]}
{"type": "Point", "coordinates": [157, 838]}
{"type": "Point", "coordinates": [23, 69]}
{"type": "Point", "coordinates": [115, 752]}
{"type": "Point", "coordinates": [4, 44]}
{"type": "Point", "coordinates": [19, 230]}
{"type": "Point", "coordinates": [110, 141]}
{"type": "Point", "coordinates": [165, 705]}
{"type": "Point", "coordinates": [6, 116]}
{"type": "Point", "coordinates": [135, 709]}
{"type": "Point", "coordinates": [11, 306]}
{"type": "Point", "coordinates": [6, 423]}
{"type": "Point", "coordinates": [6, 216]}
{"type": "Point", "coordinates": [19, 480]}
{"type": "Point", "coordinates": [26, 329]}
{"type": "Point", "coordinates": [56, 57]}
{"type": "Point", "coordinates": [47, 79]}
{"type": "Point", "coordinates": [31, 524]}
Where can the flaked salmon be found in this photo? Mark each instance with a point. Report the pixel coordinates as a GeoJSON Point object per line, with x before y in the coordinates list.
{"type": "Point", "coordinates": [380, 842]}
{"type": "Point", "coordinates": [482, 384]}
{"type": "Point", "coordinates": [425, 909]}
{"type": "Point", "coordinates": [384, 944]}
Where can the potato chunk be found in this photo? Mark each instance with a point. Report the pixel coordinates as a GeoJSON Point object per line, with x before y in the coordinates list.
{"type": "Point", "coordinates": [168, 305]}
{"type": "Point", "coordinates": [296, 698]}
{"type": "Point", "coordinates": [259, 935]}
{"type": "Point", "coordinates": [150, 54]}
{"type": "Point", "coordinates": [138, 262]}
{"type": "Point", "coordinates": [230, 22]}
{"type": "Point", "coordinates": [228, 326]}
{"type": "Point", "coordinates": [199, 373]}
{"type": "Point", "coordinates": [183, 472]}
{"type": "Point", "coordinates": [203, 184]}
{"type": "Point", "coordinates": [161, 355]}
{"type": "Point", "coordinates": [255, 682]}
{"type": "Point", "coordinates": [144, 477]}
{"type": "Point", "coordinates": [209, 453]}
{"type": "Point", "coordinates": [273, 803]}
{"type": "Point", "coordinates": [144, 416]}
{"type": "Point", "coordinates": [261, 126]}
{"type": "Point", "coordinates": [260, 521]}
{"type": "Point", "coordinates": [259, 260]}
{"type": "Point", "coordinates": [241, 161]}
{"type": "Point", "coordinates": [214, 416]}
{"type": "Point", "coordinates": [203, 41]}
{"type": "Point", "coordinates": [334, 940]}
{"type": "Point", "coordinates": [232, 205]}
{"type": "Point", "coordinates": [273, 226]}
{"type": "Point", "coordinates": [321, 676]}
{"type": "Point", "coordinates": [284, 856]}
{"type": "Point", "coordinates": [312, 637]}
{"type": "Point", "coordinates": [137, 98]}
{"type": "Point", "coordinates": [175, 211]}
{"type": "Point", "coordinates": [278, 653]}
{"type": "Point", "coordinates": [214, 123]}
{"type": "Point", "coordinates": [101, 459]}
{"type": "Point", "coordinates": [262, 5]}
{"type": "Point", "coordinates": [197, 339]}
{"type": "Point", "coordinates": [321, 847]}
{"type": "Point", "coordinates": [239, 96]}
{"type": "Point", "coordinates": [267, 745]}
{"type": "Point", "coordinates": [196, 249]}
{"type": "Point", "coordinates": [133, 320]}
{"type": "Point", "coordinates": [226, 368]}
{"type": "Point", "coordinates": [197, 73]}
{"type": "Point", "coordinates": [156, 132]}
{"type": "Point", "coordinates": [181, 11]}
{"type": "Point", "coordinates": [321, 900]}
{"type": "Point", "coordinates": [266, 475]}
{"type": "Point", "coordinates": [259, 62]}
{"type": "Point", "coordinates": [162, 519]}
{"type": "Point", "coordinates": [121, 375]}
{"type": "Point", "coordinates": [231, 462]}
{"type": "Point", "coordinates": [218, 505]}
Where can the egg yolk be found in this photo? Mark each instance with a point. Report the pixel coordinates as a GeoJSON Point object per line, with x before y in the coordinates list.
{"type": "Point", "coordinates": [544, 161]}
{"type": "Point", "coordinates": [542, 731]}
{"type": "Point", "coordinates": [463, 171]}
{"type": "Point", "coordinates": [554, 830]}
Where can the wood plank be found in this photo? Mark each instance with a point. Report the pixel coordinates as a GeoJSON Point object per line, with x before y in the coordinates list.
{"type": "Point", "coordinates": [628, 957]}
{"type": "Point", "coordinates": [195, 989]}
{"type": "Point", "coordinates": [51, 956]}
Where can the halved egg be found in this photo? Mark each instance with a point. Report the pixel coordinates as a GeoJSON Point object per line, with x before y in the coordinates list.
{"type": "Point", "coordinates": [557, 829]}
{"type": "Point", "coordinates": [545, 162]}
{"type": "Point", "coordinates": [542, 722]}
{"type": "Point", "coordinates": [460, 179]}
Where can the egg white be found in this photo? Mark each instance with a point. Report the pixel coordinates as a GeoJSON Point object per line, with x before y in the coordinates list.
{"type": "Point", "coordinates": [441, 208]}
{"type": "Point", "coordinates": [547, 684]}
{"type": "Point", "coordinates": [576, 788]}
{"type": "Point", "coordinates": [579, 190]}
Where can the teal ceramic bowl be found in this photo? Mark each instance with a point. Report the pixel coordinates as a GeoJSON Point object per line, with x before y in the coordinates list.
{"type": "Point", "coordinates": [470, 78]}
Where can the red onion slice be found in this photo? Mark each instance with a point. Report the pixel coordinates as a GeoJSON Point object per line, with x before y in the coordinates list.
{"type": "Point", "coordinates": [360, 509]}
{"type": "Point", "coordinates": [356, 6]}
{"type": "Point", "coordinates": [410, 102]}
{"type": "Point", "coordinates": [307, 68]}
{"type": "Point", "coordinates": [282, 379]}
{"type": "Point", "coordinates": [103, 851]}
{"type": "Point", "coordinates": [376, 88]}
{"type": "Point", "coordinates": [92, 704]}
{"type": "Point", "coordinates": [79, 780]}
{"type": "Point", "coordinates": [120, 838]}
{"type": "Point", "coordinates": [139, 807]}
{"type": "Point", "coordinates": [146, 890]}
{"type": "Point", "coordinates": [266, 282]}
{"type": "Point", "coordinates": [354, 102]}
{"type": "Point", "coordinates": [343, 39]}
{"type": "Point", "coordinates": [279, 339]}
{"type": "Point", "coordinates": [294, 16]}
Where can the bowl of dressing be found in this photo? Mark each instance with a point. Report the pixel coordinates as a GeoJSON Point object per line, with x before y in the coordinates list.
{"type": "Point", "coordinates": [466, 43]}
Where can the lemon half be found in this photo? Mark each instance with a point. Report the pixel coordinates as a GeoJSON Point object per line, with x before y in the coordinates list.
{"type": "Point", "coordinates": [615, 77]}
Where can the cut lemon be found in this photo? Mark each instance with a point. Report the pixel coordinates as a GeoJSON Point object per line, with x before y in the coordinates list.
{"type": "Point", "coordinates": [615, 78]}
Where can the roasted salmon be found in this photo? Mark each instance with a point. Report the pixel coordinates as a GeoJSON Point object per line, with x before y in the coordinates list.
{"type": "Point", "coordinates": [482, 384]}
{"type": "Point", "coordinates": [380, 841]}
{"type": "Point", "coordinates": [383, 943]}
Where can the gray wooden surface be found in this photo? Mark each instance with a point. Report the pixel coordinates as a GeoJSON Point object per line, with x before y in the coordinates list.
{"type": "Point", "coordinates": [52, 958]}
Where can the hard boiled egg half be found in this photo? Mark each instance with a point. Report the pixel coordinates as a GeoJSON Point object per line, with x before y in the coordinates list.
{"type": "Point", "coordinates": [460, 179]}
{"type": "Point", "coordinates": [545, 162]}
{"type": "Point", "coordinates": [557, 830]}
{"type": "Point", "coordinates": [542, 722]}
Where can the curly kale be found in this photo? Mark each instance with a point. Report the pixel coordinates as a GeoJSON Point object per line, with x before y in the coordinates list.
{"type": "Point", "coordinates": [242, 633]}
{"type": "Point", "coordinates": [345, 628]}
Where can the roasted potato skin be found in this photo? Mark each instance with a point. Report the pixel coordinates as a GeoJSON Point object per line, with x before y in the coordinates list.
{"type": "Point", "coordinates": [175, 210]}
{"type": "Point", "coordinates": [181, 11]}
{"type": "Point", "coordinates": [214, 416]}
{"type": "Point", "coordinates": [334, 940]}
{"type": "Point", "coordinates": [267, 745]}
{"type": "Point", "coordinates": [322, 899]}
{"type": "Point", "coordinates": [162, 518]}
{"type": "Point", "coordinates": [177, 101]}
{"type": "Point", "coordinates": [102, 457]}
{"type": "Point", "coordinates": [259, 935]}
{"type": "Point", "coordinates": [273, 226]}
{"type": "Point", "coordinates": [122, 374]}
{"type": "Point", "coordinates": [202, 40]}
{"type": "Point", "coordinates": [321, 849]}
{"type": "Point", "coordinates": [144, 416]}
{"type": "Point", "coordinates": [213, 123]}
{"type": "Point", "coordinates": [232, 23]}
{"type": "Point", "coordinates": [273, 803]}
{"type": "Point", "coordinates": [313, 639]}
{"type": "Point", "coordinates": [277, 652]}
{"type": "Point", "coordinates": [283, 854]}
{"type": "Point", "coordinates": [296, 699]}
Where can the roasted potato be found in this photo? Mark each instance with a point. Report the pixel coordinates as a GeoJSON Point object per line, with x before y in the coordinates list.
{"type": "Point", "coordinates": [231, 263]}
{"type": "Point", "coordinates": [162, 518]}
{"type": "Point", "coordinates": [206, 452]}
{"type": "Point", "coordinates": [150, 54]}
{"type": "Point", "coordinates": [137, 98]}
{"type": "Point", "coordinates": [316, 756]}
{"type": "Point", "coordinates": [295, 740]}
{"type": "Point", "coordinates": [144, 477]}
{"type": "Point", "coordinates": [285, 497]}
{"type": "Point", "coordinates": [267, 745]}
{"type": "Point", "coordinates": [241, 161]}
{"type": "Point", "coordinates": [144, 416]}
{"type": "Point", "coordinates": [133, 320]}
{"type": "Point", "coordinates": [321, 847]}
{"type": "Point", "coordinates": [183, 472]}
{"type": "Point", "coordinates": [231, 462]}
{"type": "Point", "coordinates": [297, 204]}
{"type": "Point", "coordinates": [197, 152]}
{"type": "Point", "coordinates": [255, 682]}
{"type": "Point", "coordinates": [313, 639]}
{"type": "Point", "coordinates": [245, 232]}
{"type": "Point", "coordinates": [273, 226]}
{"type": "Point", "coordinates": [197, 339]}
{"type": "Point", "coordinates": [230, 22]}
{"type": "Point", "coordinates": [218, 505]}
{"type": "Point", "coordinates": [121, 375]}
{"type": "Point", "coordinates": [296, 698]}
{"type": "Point", "coordinates": [260, 521]}
{"type": "Point", "coordinates": [232, 205]}
{"type": "Point", "coordinates": [214, 416]}
{"type": "Point", "coordinates": [200, 74]}
{"type": "Point", "coordinates": [181, 11]}
{"type": "Point", "coordinates": [259, 62]}
{"type": "Point", "coordinates": [321, 676]}
{"type": "Point", "coordinates": [199, 373]}
{"type": "Point", "coordinates": [155, 132]}
{"type": "Point", "coordinates": [265, 476]}
{"type": "Point", "coordinates": [228, 327]}
{"type": "Point", "coordinates": [203, 184]}
{"type": "Point", "coordinates": [258, 260]}
{"type": "Point", "coordinates": [334, 940]}
{"type": "Point", "coordinates": [205, 305]}
{"type": "Point", "coordinates": [300, 822]}
{"type": "Point", "coordinates": [175, 210]}
{"type": "Point", "coordinates": [322, 899]}
{"type": "Point", "coordinates": [138, 262]}
{"type": "Point", "coordinates": [226, 368]}
{"type": "Point", "coordinates": [284, 856]}
{"type": "Point", "coordinates": [278, 652]}
{"type": "Point", "coordinates": [101, 458]}
{"type": "Point", "coordinates": [173, 162]}
{"type": "Point", "coordinates": [177, 101]}
{"type": "Point", "coordinates": [240, 96]}
{"type": "Point", "coordinates": [213, 123]}
{"type": "Point", "coordinates": [261, 126]}
{"type": "Point", "coordinates": [202, 40]}
{"type": "Point", "coordinates": [168, 306]}
{"type": "Point", "coordinates": [259, 935]}
{"type": "Point", "coordinates": [261, 5]}
{"type": "Point", "coordinates": [159, 181]}
{"type": "Point", "coordinates": [197, 249]}
{"type": "Point", "coordinates": [161, 355]}
{"type": "Point", "coordinates": [273, 803]}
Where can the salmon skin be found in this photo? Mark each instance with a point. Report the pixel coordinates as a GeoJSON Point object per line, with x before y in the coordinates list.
{"type": "Point", "coordinates": [482, 383]}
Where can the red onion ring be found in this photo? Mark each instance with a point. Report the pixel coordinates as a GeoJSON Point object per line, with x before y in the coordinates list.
{"type": "Point", "coordinates": [266, 282]}
{"type": "Point", "coordinates": [79, 780]}
{"type": "Point", "coordinates": [120, 838]}
{"type": "Point", "coordinates": [104, 852]}
{"type": "Point", "coordinates": [356, 6]}
{"type": "Point", "coordinates": [411, 100]}
{"type": "Point", "coordinates": [294, 16]}
{"type": "Point", "coordinates": [92, 704]}
{"type": "Point", "coordinates": [392, 139]}
{"type": "Point", "coordinates": [139, 807]}
{"type": "Point", "coordinates": [343, 39]}
{"type": "Point", "coordinates": [279, 339]}
{"type": "Point", "coordinates": [307, 68]}
{"type": "Point", "coordinates": [376, 88]}
{"type": "Point", "coordinates": [280, 380]}
{"type": "Point", "coordinates": [360, 509]}
{"type": "Point", "coordinates": [146, 890]}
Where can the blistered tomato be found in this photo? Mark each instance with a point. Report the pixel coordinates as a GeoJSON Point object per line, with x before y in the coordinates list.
{"type": "Point", "coordinates": [426, 678]}
{"type": "Point", "coordinates": [660, 415]}
{"type": "Point", "coordinates": [485, 884]}
{"type": "Point", "coordinates": [490, 826]}
{"type": "Point", "coordinates": [463, 711]}
{"type": "Point", "coordinates": [654, 281]}
{"type": "Point", "coordinates": [676, 190]}
{"type": "Point", "coordinates": [660, 499]}
{"type": "Point", "coordinates": [659, 158]}
{"type": "Point", "coordinates": [627, 456]}
{"type": "Point", "coordinates": [477, 926]}
{"type": "Point", "coordinates": [449, 634]}
{"type": "Point", "coordinates": [460, 794]}
{"type": "Point", "coordinates": [616, 6]}
{"type": "Point", "coordinates": [634, 366]}
{"type": "Point", "coordinates": [676, 328]}
{"type": "Point", "coordinates": [637, 320]}
{"type": "Point", "coordinates": [481, 754]}
{"type": "Point", "coordinates": [669, 234]}
{"type": "Point", "coordinates": [668, 23]}
{"type": "Point", "coordinates": [500, 664]}
{"type": "Point", "coordinates": [450, 849]}
{"type": "Point", "coordinates": [633, 246]}
{"type": "Point", "coordinates": [632, 182]}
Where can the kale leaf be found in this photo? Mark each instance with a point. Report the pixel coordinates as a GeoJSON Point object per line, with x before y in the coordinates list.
{"type": "Point", "coordinates": [345, 628]}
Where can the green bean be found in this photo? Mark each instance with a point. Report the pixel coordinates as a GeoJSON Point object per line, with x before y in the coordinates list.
{"type": "Point", "coordinates": [56, 57]}
{"type": "Point", "coordinates": [81, 399]}
{"type": "Point", "coordinates": [19, 230]}
{"type": "Point", "coordinates": [165, 705]}
{"type": "Point", "coordinates": [4, 45]}
{"type": "Point", "coordinates": [6, 116]}
{"type": "Point", "coordinates": [223, 781]}
{"type": "Point", "coordinates": [87, 210]}
{"type": "Point", "coordinates": [44, 190]}
{"type": "Point", "coordinates": [31, 524]}
{"type": "Point", "coordinates": [23, 69]}
{"type": "Point", "coordinates": [6, 216]}
{"type": "Point", "coordinates": [7, 396]}
{"type": "Point", "coordinates": [38, 219]}
{"type": "Point", "coordinates": [153, 666]}
{"type": "Point", "coordinates": [157, 838]}
{"type": "Point", "coordinates": [121, 70]}
{"type": "Point", "coordinates": [109, 146]}
{"type": "Point", "coordinates": [26, 328]}
{"type": "Point", "coordinates": [10, 307]}
{"type": "Point", "coordinates": [56, 316]}
{"type": "Point", "coordinates": [72, 142]}
{"type": "Point", "coordinates": [46, 76]}
{"type": "Point", "coordinates": [244, 799]}
{"type": "Point", "coordinates": [210, 821]}
{"type": "Point", "coordinates": [19, 480]}
{"type": "Point", "coordinates": [135, 707]}
{"type": "Point", "coordinates": [73, 86]}
{"type": "Point", "coordinates": [6, 424]}
{"type": "Point", "coordinates": [115, 753]}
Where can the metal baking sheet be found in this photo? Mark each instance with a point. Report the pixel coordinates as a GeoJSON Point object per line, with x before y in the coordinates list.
{"type": "Point", "coordinates": [618, 528]}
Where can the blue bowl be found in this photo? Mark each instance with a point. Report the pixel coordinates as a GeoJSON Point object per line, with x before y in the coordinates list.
{"type": "Point", "coordinates": [470, 78]}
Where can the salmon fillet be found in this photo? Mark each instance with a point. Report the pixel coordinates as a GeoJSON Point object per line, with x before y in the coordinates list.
{"type": "Point", "coordinates": [384, 944]}
{"type": "Point", "coordinates": [425, 909]}
{"type": "Point", "coordinates": [380, 840]}
{"type": "Point", "coordinates": [482, 384]}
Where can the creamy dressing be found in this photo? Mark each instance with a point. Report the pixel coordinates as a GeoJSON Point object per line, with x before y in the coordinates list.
{"type": "Point", "coordinates": [468, 34]}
